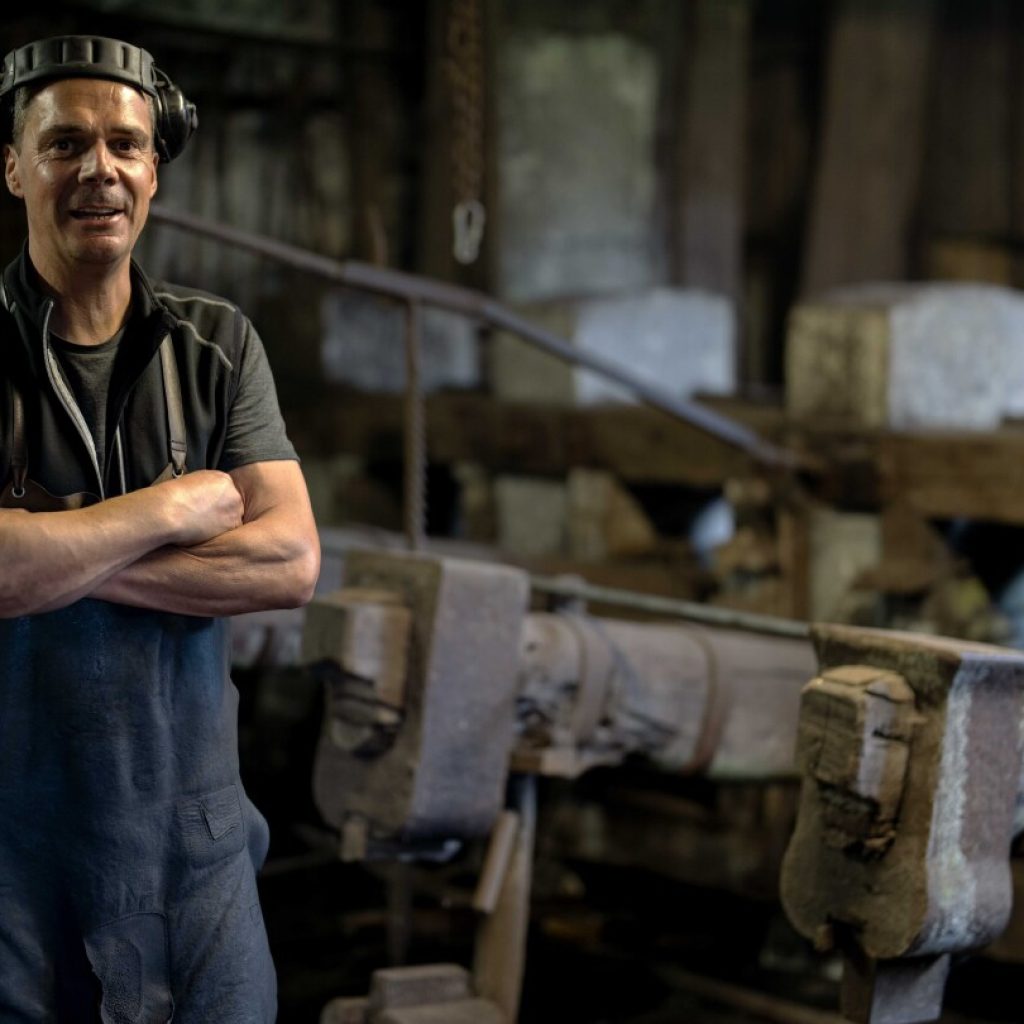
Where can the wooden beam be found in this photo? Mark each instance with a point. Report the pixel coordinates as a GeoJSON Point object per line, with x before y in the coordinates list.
{"type": "Point", "coordinates": [636, 444]}
{"type": "Point", "coordinates": [937, 475]}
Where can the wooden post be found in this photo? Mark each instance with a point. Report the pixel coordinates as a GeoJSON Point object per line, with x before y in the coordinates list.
{"type": "Point", "coordinates": [501, 939]}
{"type": "Point", "coordinates": [707, 248]}
{"type": "Point", "coordinates": [374, 110]}
{"type": "Point", "coordinates": [872, 143]}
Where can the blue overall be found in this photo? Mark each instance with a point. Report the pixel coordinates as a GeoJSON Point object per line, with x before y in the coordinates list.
{"type": "Point", "coordinates": [128, 848]}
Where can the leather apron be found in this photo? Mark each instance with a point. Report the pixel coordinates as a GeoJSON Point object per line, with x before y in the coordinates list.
{"type": "Point", "coordinates": [128, 848]}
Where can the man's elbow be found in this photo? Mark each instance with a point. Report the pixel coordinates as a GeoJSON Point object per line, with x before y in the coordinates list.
{"type": "Point", "coordinates": [304, 571]}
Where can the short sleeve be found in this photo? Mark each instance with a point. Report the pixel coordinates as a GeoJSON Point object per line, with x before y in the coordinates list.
{"type": "Point", "coordinates": [255, 428]}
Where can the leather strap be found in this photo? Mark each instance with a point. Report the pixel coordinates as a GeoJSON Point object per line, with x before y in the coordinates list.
{"type": "Point", "coordinates": [175, 413]}
{"type": "Point", "coordinates": [716, 707]}
{"type": "Point", "coordinates": [175, 431]}
{"type": "Point", "coordinates": [19, 447]}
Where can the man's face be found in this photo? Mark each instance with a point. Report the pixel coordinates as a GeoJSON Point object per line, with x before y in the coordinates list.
{"type": "Point", "coordinates": [86, 169]}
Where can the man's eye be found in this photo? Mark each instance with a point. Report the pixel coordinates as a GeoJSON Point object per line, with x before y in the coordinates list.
{"type": "Point", "coordinates": [126, 145]}
{"type": "Point", "coordinates": [62, 145]}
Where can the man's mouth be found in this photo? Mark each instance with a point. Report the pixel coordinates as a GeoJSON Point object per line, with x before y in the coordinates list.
{"type": "Point", "coordinates": [95, 213]}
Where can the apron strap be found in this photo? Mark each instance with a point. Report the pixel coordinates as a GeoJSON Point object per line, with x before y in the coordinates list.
{"type": "Point", "coordinates": [19, 447]}
{"type": "Point", "coordinates": [175, 413]}
{"type": "Point", "coordinates": [175, 423]}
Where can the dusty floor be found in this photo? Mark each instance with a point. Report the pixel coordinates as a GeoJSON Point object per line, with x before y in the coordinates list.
{"type": "Point", "coordinates": [623, 957]}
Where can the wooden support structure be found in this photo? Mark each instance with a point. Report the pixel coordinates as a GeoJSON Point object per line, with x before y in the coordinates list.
{"type": "Point", "coordinates": [935, 474]}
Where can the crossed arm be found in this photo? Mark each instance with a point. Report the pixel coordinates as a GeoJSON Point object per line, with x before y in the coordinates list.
{"type": "Point", "coordinates": [208, 543]}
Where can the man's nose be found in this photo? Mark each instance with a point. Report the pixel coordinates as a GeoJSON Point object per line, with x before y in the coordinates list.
{"type": "Point", "coordinates": [97, 163]}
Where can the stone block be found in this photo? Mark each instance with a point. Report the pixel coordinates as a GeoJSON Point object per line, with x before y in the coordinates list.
{"type": "Point", "coordinates": [531, 516]}
{"type": "Point", "coordinates": [907, 357]}
{"type": "Point", "coordinates": [466, 1011]}
{"type": "Point", "coordinates": [604, 519]}
{"type": "Point", "coordinates": [344, 1011]}
{"type": "Point", "coordinates": [364, 345]}
{"type": "Point", "coordinates": [397, 987]}
{"type": "Point", "coordinates": [681, 340]}
{"type": "Point", "coordinates": [576, 132]}
{"type": "Point", "coordinates": [341, 492]}
{"type": "Point", "coordinates": [842, 545]}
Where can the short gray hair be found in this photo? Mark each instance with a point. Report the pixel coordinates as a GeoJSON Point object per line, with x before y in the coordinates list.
{"type": "Point", "coordinates": [24, 95]}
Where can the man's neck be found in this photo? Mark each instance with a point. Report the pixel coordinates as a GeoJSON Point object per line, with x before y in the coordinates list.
{"type": "Point", "coordinates": [90, 304]}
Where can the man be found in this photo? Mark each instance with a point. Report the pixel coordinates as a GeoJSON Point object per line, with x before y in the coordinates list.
{"type": "Point", "coordinates": [148, 490]}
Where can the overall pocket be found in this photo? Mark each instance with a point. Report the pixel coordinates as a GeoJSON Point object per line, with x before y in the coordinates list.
{"type": "Point", "coordinates": [211, 825]}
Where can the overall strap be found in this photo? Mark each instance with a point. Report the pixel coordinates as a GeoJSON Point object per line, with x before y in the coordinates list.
{"type": "Point", "coordinates": [175, 413]}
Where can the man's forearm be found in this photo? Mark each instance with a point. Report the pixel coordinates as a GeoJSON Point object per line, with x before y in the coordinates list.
{"type": "Point", "coordinates": [262, 564]}
{"type": "Point", "coordinates": [50, 559]}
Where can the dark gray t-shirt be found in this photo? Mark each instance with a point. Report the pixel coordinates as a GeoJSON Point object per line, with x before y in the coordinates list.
{"type": "Point", "coordinates": [88, 369]}
{"type": "Point", "coordinates": [255, 431]}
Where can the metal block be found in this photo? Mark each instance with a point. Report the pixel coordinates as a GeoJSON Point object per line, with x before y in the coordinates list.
{"type": "Point", "coordinates": [443, 772]}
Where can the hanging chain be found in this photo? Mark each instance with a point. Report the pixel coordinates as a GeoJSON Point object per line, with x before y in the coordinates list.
{"type": "Point", "coordinates": [464, 70]}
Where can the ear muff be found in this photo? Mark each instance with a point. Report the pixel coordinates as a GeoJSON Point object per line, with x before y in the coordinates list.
{"type": "Point", "coordinates": [176, 118]}
{"type": "Point", "coordinates": [100, 57]}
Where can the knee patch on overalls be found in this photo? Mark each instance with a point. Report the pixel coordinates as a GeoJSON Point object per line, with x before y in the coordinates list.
{"type": "Point", "coordinates": [131, 959]}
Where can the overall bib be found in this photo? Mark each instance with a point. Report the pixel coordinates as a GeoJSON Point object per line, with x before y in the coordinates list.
{"type": "Point", "coordinates": [128, 848]}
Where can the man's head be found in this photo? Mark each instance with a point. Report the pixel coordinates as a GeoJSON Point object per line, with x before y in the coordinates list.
{"type": "Point", "coordinates": [88, 118]}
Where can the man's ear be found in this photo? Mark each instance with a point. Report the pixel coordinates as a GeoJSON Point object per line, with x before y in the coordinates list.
{"type": "Point", "coordinates": [11, 171]}
{"type": "Point", "coordinates": [156, 160]}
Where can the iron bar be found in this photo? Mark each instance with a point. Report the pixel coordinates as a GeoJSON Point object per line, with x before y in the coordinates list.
{"type": "Point", "coordinates": [415, 448]}
{"type": "Point", "coordinates": [708, 614]}
{"type": "Point", "coordinates": [396, 284]}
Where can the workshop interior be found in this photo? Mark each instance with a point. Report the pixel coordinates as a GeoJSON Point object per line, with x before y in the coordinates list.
{"type": "Point", "coordinates": [657, 374]}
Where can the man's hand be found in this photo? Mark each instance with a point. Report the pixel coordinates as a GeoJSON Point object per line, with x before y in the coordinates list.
{"type": "Point", "coordinates": [201, 505]}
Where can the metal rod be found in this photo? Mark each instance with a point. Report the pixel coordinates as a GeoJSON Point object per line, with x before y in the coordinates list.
{"type": "Point", "coordinates": [707, 614]}
{"type": "Point", "coordinates": [396, 284]}
{"type": "Point", "coordinates": [415, 448]}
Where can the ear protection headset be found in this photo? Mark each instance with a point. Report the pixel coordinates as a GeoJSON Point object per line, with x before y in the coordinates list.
{"type": "Point", "coordinates": [99, 57]}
